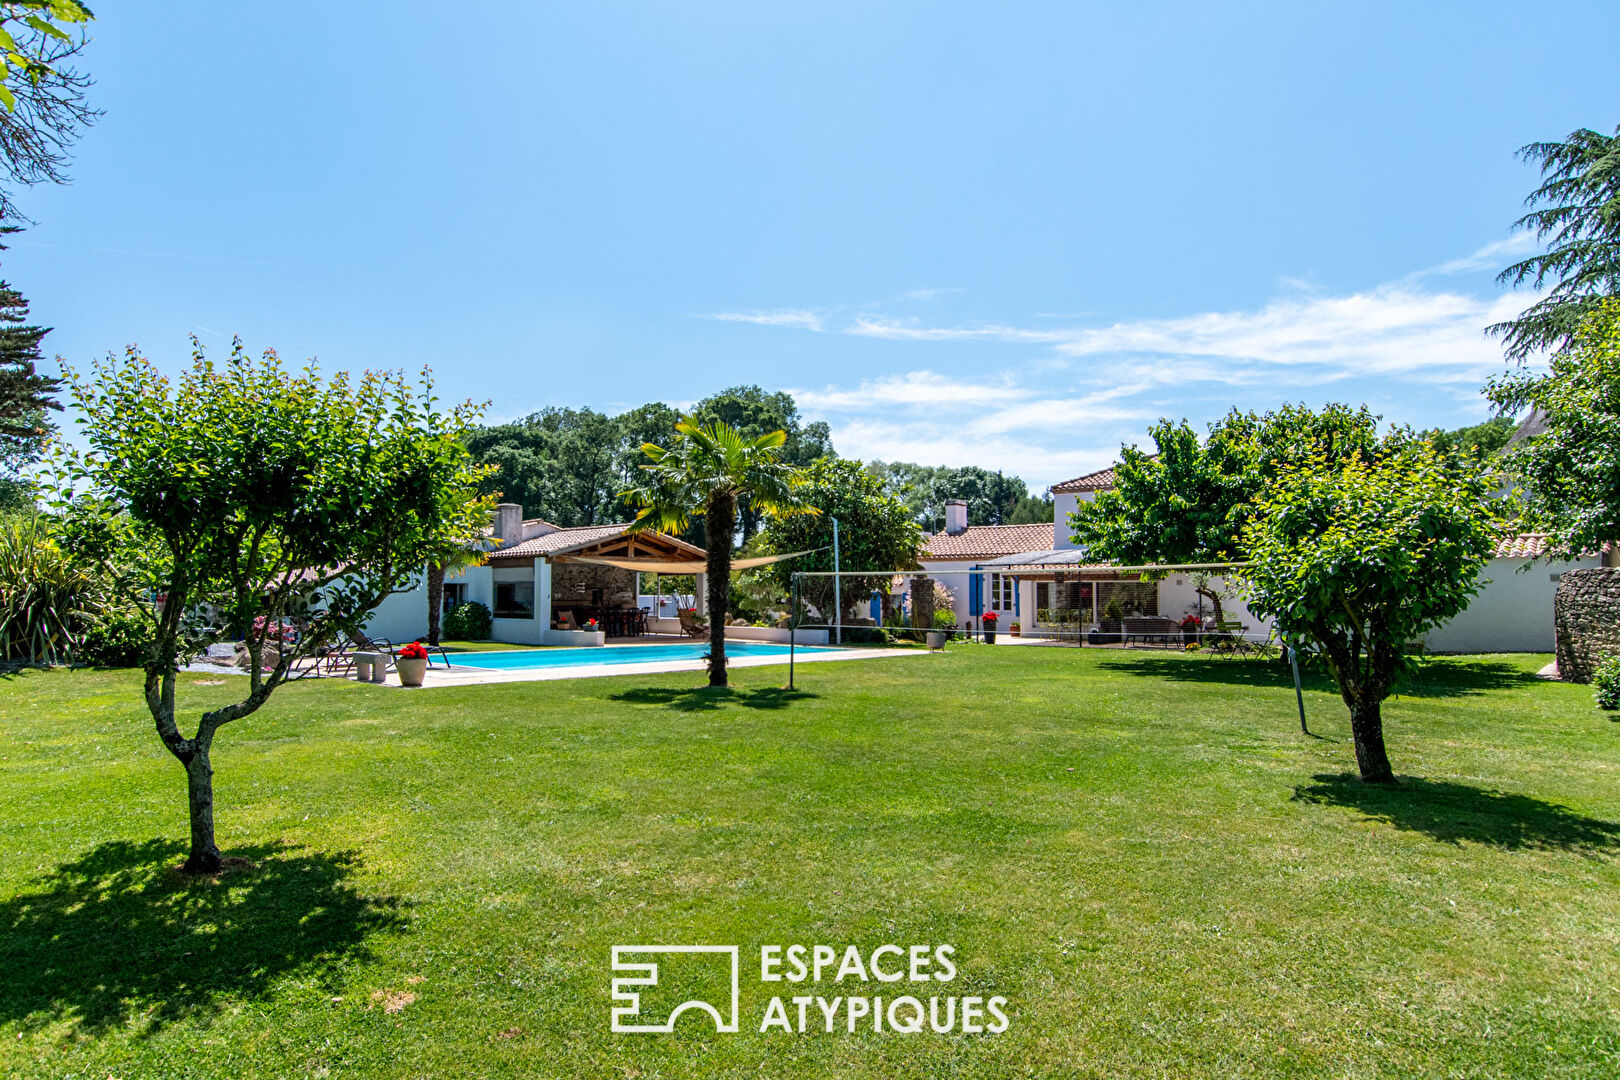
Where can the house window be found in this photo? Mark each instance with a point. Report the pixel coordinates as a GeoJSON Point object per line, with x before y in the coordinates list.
{"type": "Point", "coordinates": [514, 599]}
{"type": "Point", "coordinates": [454, 596]}
{"type": "Point", "coordinates": [1002, 592]}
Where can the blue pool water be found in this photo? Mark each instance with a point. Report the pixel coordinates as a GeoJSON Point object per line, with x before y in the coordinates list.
{"type": "Point", "coordinates": [630, 654]}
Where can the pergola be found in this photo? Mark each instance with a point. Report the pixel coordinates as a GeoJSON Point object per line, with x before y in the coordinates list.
{"type": "Point", "coordinates": [1070, 569]}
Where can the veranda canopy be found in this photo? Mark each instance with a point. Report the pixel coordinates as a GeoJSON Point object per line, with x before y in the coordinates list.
{"type": "Point", "coordinates": [696, 566]}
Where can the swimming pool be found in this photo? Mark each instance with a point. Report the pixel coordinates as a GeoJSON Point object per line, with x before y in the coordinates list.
{"type": "Point", "coordinates": [626, 654]}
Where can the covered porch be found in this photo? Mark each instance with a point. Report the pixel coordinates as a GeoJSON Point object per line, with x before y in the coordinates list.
{"type": "Point", "coordinates": [562, 587]}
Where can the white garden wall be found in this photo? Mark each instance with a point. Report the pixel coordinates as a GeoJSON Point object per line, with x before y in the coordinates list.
{"type": "Point", "coordinates": [1178, 597]}
{"type": "Point", "coordinates": [1512, 613]}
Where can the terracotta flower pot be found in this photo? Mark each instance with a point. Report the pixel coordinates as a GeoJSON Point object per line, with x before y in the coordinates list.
{"type": "Point", "coordinates": [411, 672]}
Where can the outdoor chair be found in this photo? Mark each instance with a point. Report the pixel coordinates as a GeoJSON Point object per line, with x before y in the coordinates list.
{"type": "Point", "coordinates": [1228, 640]}
{"type": "Point", "coordinates": [338, 659]}
{"type": "Point", "coordinates": [690, 625]}
{"type": "Point", "coordinates": [1267, 649]}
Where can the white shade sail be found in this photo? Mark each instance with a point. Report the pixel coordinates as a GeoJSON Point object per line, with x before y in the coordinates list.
{"type": "Point", "coordinates": [695, 566]}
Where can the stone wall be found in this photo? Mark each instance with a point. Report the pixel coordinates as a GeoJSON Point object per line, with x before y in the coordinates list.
{"type": "Point", "coordinates": [573, 583]}
{"type": "Point", "coordinates": [1586, 620]}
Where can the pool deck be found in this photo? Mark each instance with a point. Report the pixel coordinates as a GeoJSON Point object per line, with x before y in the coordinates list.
{"type": "Point", "coordinates": [470, 676]}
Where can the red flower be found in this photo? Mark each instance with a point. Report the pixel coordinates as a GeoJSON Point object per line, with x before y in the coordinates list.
{"type": "Point", "coordinates": [413, 651]}
{"type": "Point", "coordinates": [990, 616]}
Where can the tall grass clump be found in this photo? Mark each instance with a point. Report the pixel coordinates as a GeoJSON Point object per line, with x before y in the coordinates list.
{"type": "Point", "coordinates": [45, 599]}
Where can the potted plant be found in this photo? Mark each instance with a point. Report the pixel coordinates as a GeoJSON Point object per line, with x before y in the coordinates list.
{"type": "Point", "coordinates": [989, 620]}
{"type": "Point", "coordinates": [1015, 630]}
{"type": "Point", "coordinates": [411, 663]}
{"type": "Point", "coordinates": [1110, 628]}
{"type": "Point", "coordinates": [1190, 627]}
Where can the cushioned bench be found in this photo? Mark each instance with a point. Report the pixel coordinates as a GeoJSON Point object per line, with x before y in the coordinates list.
{"type": "Point", "coordinates": [1151, 630]}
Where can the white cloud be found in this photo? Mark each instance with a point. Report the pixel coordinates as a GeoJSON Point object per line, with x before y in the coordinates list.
{"type": "Point", "coordinates": [936, 419]}
{"type": "Point", "coordinates": [1394, 329]}
{"type": "Point", "coordinates": [914, 388]}
{"type": "Point", "coordinates": [1064, 397]}
{"type": "Point", "coordinates": [877, 326]}
{"type": "Point", "coordinates": [1493, 256]}
{"type": "Point", "coordinates": [935, 444]}
{"type": "Point", "coordinates": [796, 318]}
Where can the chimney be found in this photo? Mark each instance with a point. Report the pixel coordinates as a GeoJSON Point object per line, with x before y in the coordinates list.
{"type": "Point", "coordinates": [955, 516]}
{"type": "Point", "coordinates": [508, 522]}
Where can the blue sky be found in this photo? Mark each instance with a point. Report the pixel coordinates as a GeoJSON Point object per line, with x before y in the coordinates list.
{"type": "Point", "coordinates": [1009, 234]}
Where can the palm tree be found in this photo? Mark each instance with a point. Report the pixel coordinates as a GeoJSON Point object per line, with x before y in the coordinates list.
{"type": "Point", "coordinates": [453, 559]}
{"type": "Point", "coordinates": [457, 553]}
{"type": "Point", "coordinates": [703, 472]}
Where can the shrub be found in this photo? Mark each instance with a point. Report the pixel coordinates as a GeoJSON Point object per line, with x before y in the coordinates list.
{"type": "Point", "coordinates": [468, 621]}
{"type": "Point", "coordinates": [113, 639]}
{"type": "Point", "coordinates": [1606, 684]}
{"type": "Point", "coordinates": [899, 628]}
{"type": "Point", "coordinates": [944, 619]}
{"type": "Point", "coordinates": [45, 598]}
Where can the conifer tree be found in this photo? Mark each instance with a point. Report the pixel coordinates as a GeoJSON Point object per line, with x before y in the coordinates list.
{"type": "Point", "coordinates": [1576, 214]}
{"type": "Point", "coordinates": [25, 394]}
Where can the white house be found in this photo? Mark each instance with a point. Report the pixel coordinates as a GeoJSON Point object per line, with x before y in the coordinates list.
{"type": "Point", "coordinates": [1514, 609]}
{"type": "Point", "coordinates": [1036, 576]}
{"type": "Point", "coordinates": [536, 572]}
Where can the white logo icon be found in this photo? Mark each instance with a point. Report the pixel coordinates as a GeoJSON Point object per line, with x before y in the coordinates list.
{"type": "Point", "coordinates": [648, 976]}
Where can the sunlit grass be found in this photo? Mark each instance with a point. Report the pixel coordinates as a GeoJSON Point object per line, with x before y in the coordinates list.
{"type": "Point", "coordinates": [1140, 850]}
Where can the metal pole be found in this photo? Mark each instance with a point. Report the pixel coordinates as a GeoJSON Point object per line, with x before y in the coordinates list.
{"type": "Point", "coordinates": [793, 628]}
{"type": "Point", "coordinates": [1299, 695]}
{"type": "Point", "coordinates": [838, 592]}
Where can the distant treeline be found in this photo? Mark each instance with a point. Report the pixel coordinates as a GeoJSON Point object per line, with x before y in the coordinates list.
{"type": "Point", "coordinates": [570, 466]}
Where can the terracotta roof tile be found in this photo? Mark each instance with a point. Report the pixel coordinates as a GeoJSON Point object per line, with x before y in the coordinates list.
{"type": "Point", "coordinates": [561, 540]}
{"type": "Point", "coordinates": [1101, 480]}
{"type": "Point", "coordinates": [989, 541]}
{"type": "Point", "coordinates": [1529, 546]}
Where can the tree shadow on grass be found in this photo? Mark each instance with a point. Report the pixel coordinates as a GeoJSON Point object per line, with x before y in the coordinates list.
{"type": "Point", "coordinates": [1230, 671]}
{"type": "Point", "coordinates": [119, 935]}
{"type": "Point", "coordinates": [710, 698]}
{"type": "Point", "coordinates": [1452, 813]}
{"type": "Point", "coordinates": [1432, 677]}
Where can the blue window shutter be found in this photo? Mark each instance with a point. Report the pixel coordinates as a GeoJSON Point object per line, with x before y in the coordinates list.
{"type": "Point", "coordinates": [975, 594]}
{"type": "Point", "coordinates": [1018, 597]}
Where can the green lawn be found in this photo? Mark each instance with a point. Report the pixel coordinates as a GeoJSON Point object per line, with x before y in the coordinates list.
{"type": "Point", "coordinates": [1140, 851]}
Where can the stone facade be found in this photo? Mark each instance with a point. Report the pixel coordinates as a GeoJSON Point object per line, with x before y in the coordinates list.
{"type": "Point", "coordinates": [1586, 619]}
{"type": "Point", "coordinates": [575, 583]}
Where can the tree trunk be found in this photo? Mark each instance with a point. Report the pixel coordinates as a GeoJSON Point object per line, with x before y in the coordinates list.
{"type": "Point", "coordinates": [435, 599]}
{"type": "Point", "coordinates": [922, 603]}
{"type": "Point", "coordinates": [1367, 727]}
{"type": "Point", "coordinates": [204, 857]}
{"type": "Point", "coordinates": [720, 525]}
{"type": "Point", "coordinates": [1215, 599]}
